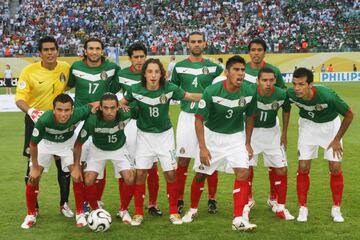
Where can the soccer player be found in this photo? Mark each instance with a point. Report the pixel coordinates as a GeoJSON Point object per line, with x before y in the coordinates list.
{"type": "Point", "coordinates": [53, 134]}
{"type": "Point", "coordinates": [319, 125]}
{"type": "Point", "coordinates": [137, 53]}
{"type": "Point", "coordinates": [267, 138]}
{"type": "Point", "coordinates": [257, 49]}
{"type": "Point", "coordinates": [155, 137]}
{"type": "Point", "coordinates": [92, 77]}
{"type": "Point", "coordinates": [39, 83]}
{"type": "Point", "coordinates": [108, 143]}
{"type": "Point", "coordinates": [193, 75]}
{"type": "Point", "coordinates": [222, 141]}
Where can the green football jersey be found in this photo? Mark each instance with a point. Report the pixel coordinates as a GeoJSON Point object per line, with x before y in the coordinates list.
{"type": "Point", "coordinates": [106, 135]}
{"type": "Point", "coordinates": [92, 82]}
{"type": "Point", "coordinates": [325, 105]}
{"type": "Point", "coordinates": [251, 74]}
{"type": "Point", "coordinates": [128, 77]}
{"type": "Point", "coordinates": [153, 106]}
{"type": "Point", "coordinates": [194, 77]}
{"type": "Point", "coordinates": [223, 111]}
{"type": "Point", "coordinates": [47, 127]}
{"type": "Point", "coordinates": [268, 106]}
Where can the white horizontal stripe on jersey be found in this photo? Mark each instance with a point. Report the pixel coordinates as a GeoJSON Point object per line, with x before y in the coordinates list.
{"type": "Point", "coordinates": [127, 81]}
{"type": "Point", "coordinates": [265, 107]}
{"type": "Point", "coordinates": [193, 71]}
{"type": "Point", "coordinates": [112, 130]}
{"type": "Point", "coordinates": [229, 103]}
{"type": "Point", "coordinates": [310, 108]}
{"type": "Point", "coordinates": [250, 78]}
{"type": "Point", "coordinates": [56, 131]}
{"type": "Point", "coordinates": [91, 77]}
{"type": "Point", "coordinates": [152, 101]}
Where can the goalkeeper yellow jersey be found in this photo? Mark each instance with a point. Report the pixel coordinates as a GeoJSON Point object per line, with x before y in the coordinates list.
{"type": "Point", "coordinates": [38, 86]}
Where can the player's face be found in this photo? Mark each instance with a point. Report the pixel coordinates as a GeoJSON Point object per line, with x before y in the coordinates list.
{"type": "Point", "coordinates": [236, 74]}
{"type": "Point", "coordinates": [109, 109]}
{"type": "Point", "coordinates": [266, 82]}
{"type": "Point", "coordinates": [138, 59]}
{"type": "Point", "coordinates": [196, 45]}
{"type": "Point", "coordinates": [152, 75]}
{"type": "Point", "coordinates": [63, 112]}
{"type": "Point", "coordinates": [48, 53]}
{"type": "Point", "coordinates": [302, 88]}
{"type": "Point", "coordinates": [257, 53]}
{"type": "Point", "coordinates": [94, 52]}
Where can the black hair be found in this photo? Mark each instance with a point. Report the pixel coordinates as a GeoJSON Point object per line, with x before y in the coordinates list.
{"type": "Point", "coordinates": [304, 72]}
{"type": "Point", "coordinates": [266, 70]}
{"type": "Point", "coordinates": [47, 39]}
{"type": "Point", "coordinates": [258, 41]}
{"type": "Point", "coordinates": [93, 39]}
{"type": "Point", "coordinates": [196, 33]}
{"type": "Point", "coordinates": [233, 60]}
{"type": "Point", "coordinates": [108, 96]}
{"type": "Point", "coordinates": [138, 46]}
{"type": "Point", "coordinates": [63, 98]}
{"type": "Point", "coordinates": [162, 71]}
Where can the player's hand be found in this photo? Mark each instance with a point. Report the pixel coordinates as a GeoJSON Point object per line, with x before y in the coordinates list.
{"type": "Point", "coordinates": [34, 114]}
{"type": "Point", "coordinates": [283, 141]}
{"type": "Point", "coordinates": [94, 106]}
{"type": "Point", "coordinates": [76, 174]}
{"type": "Point", "coordinates": [34, 174]}
{"type": "Point", "coordinates": [205, 156]}
{"type": "Point", "coordinates": [337, 149]}
{"type": "Point", "coordinates": [125, 108]}
{"type": "Point", "coordinates": [249, 150]}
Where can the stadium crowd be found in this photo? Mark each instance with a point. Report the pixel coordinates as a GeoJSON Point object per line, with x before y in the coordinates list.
{"type": "Point", "coordinates": [292, 26]}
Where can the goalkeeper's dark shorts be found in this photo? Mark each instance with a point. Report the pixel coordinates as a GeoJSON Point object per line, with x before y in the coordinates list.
{"type": "Point", "coordinates": [29, 126]}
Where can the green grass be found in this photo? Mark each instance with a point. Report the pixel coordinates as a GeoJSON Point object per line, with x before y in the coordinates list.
{"type": "Point", "coordinates": [51, 225]}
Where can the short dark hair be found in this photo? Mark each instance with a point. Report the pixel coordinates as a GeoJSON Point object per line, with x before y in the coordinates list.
{"type": "Point", "coordinates": [109, 96]}
{"type": "Point", "coordinates": [63, 98]}
{"type": "Point", "coordinates": [196, 33]}
{"type": "Point", "coordinates": [233, 60]}
{"type": "Point", "coordinates": [258, 41]}
{"type": "Point", "coordinates": [162, 71]}
{"type": "Point", "coordinates": [45, 40]}
{"type": "Point", "coordinates": [304, 72]}
{"type": "Point", "coordinates": [93, 39]}
{"type": "Point", "coordinates": [266, 70]}
{"type": "Point", "coordinates": [220, 60]}
{"type": "Point", "coordinates": [138, 46]}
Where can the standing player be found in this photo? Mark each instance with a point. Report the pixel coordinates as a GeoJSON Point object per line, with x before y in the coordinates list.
{"type": "Point", "coordinates": [137, 53]}
{"type": "Point", "coordinates": [257, 49]}
{"type": "Point", "coordinates": [193, 75]}
{"type": "Point", "coordinates": [92, 77]}
{"type": "Point", "coordinates": [222, 141]}
{"type": "Point", "coordinates": [319, 125]}
{"type": "Point", "coordinates": [267, 137]}
{"type": "Point", "coordinates": [39, 83]}
{"type": "Point", "coordinates": [155, 137]}
{"type": "Point", "coordinates": [53, 134]}
{"type": "Point", "coordinates": [108, 142]}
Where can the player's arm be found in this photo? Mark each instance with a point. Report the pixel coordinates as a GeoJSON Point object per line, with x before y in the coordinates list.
{"type": "Point", "coordinates": [286, 110]}
{"type": "Point", "coordinates": [36, 137]}
{"type": "Point", "coordinates": [249, 125]}
{"type": "Point", "coordinates": [76, 172]}
{"type": "Point", "coordinates": [194, 97]}
{"type": "Point", "coordinates": [205, 156]}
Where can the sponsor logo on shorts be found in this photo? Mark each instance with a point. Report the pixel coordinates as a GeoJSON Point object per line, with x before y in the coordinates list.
{"type": "Point", "coordinates": [205, 70]}
{"type": "Point", "coordinates": [103, 75]}
{"type": "Point", "coordinates": [201, 167]}
{"type": "Point", "coordinates": [21, 84]}
{"type": "Point", "coordinates": [182, 150]}
{"type": "Point", "coordinates": [274, 105]}
{"type": "Point", "coordinates": [318, 107]}
{"type": "Point", "coordinates": [202, 104]}
{"type": "Point", "coordinates": [62, 77]}
{"type": "Point", "coordinates": [163, 99]}
{"type": "Point", "coordinates": [35, 132]}
{"type": "Point", "coordinates": [242, 102]}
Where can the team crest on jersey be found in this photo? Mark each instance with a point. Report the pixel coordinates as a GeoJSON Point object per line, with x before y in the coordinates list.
{"type": "Point", "coordinates": [103, 75]}
{"type": "Point", "coordinates": [242, 102]}
{"type": "Point", "coordinates": [21, 84]}
{"type": "Point", "coordinates": [202, 104]}
{"type": "Point", "coordinates": [318, 107]}
{"type": "Point", "coordinates": [163, 99]}
{"type": "Point", "coordinates": [121, 125]}
{"type": "Point", "coordinates": [182, 150]}
{"type": "Point", "coordinates": [205, 70]}
{"type": "Point", "coordinates": [274, 105]}
{"type": "Point", "coordinates": [83, 133]}
{"type": "Point", "coordinates": [35, 132]}
{"type": "Point", "coordinates": [62, 77]}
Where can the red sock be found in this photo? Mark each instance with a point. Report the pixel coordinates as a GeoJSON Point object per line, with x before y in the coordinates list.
{"type": "Point", "coordinates": [302, 187]}
{"type": "Point", "coordinates": [280, 183]}
{"type": "Point", "coordinates": [126, 193]}
{"type": "Point", "coordinates": [31, 197]}
{"type": "Point", "coordinates": [337, 186]}
{"type": "Point", "coordinates": [181, 174]}
{"type": "Point", "coordinates": [240, 196]}
{"type": "Point", "coordinates": [101, 186]}
{"type": "Point", "coordinates": [250, 180]}
{"type": "Point", "coordinates": [212, 181]}
{"type": "Point", "coordinates": [139, 195]}
{"type": "Point", "coordinates": [196, 190]}
{"type": "Point", "coordinates": [272, 177]}
{"type": "Point", "coordinates": [153, 185]}
{"type": "Point", "coordinates": [91, 195]}
{"type": "Point", "coordinates": [172, 192]}
{"type": "Point", "coordinates": [79, 195]}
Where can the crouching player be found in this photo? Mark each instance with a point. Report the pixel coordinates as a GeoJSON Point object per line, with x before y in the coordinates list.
{"type": "Point", "coordinates": [108, 142]}
{"type": "Point", "coordinates": [222, 140]}
{"type": "Point", "coordinates": [53, 134]}
{"type": "Point", "coordinates": [267, 137]}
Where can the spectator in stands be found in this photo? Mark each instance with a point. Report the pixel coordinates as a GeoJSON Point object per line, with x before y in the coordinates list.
{"type": "Point", "coordinates": [330, 68]}
{"type": "Point", "coordinates": [354, 68]}
{"type": "Point", "coordinates": [7, 78]}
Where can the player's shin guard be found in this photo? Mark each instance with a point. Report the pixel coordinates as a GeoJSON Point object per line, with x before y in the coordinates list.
{"type": "Point", "coordinates": [240, 196]}
{"type": "Point", "coordinates": [212, 181]}
{"type": "Point", "coordinates": [153, 185]}
{"type": "Point", "coordinates": [302, 187]}
{"type": "Point", "coordinates": [126, 193]}
{"type": "Point", "coordinates": [181, 174]}
{"type": "Point", "coordinates": [172, 193]}
{"type": "Point", "coordinates": [91, 195]}
{"type": "Point", "coordinates": [139, 195]}
{"type": "Point", "coordinates": [337, 186]}
{"type": "Point", "coordinates": [280, 183]}
{"type": "Point", "coordinates": [196, 190]}
{"type": "Point", "coordinates": [250, 180]}
{"type": "Point", "coordinates": [31, 198]}
{"type": "Point", "coordinates": [272, 176]}
{"type": "Point", "coordinates": [64, 183]}
{"type": "Point", "coordinates": [101, 186]}
{"type": "Point", "coordinates": [79, 194]}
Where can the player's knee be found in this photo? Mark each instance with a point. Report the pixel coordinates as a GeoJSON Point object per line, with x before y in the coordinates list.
{"type": "Point", "coordinates": [129, 177]}
{"type": "Point", "coordinates": [183, 162]}
{"type": "Point", "coordinates": [141, 176]}
{"type": "Point", "coordinates": [242, 174]}
{"type": "Point", "coordinates": [281, 171]}
{"type": "Point", "coordinates": [200, 177]}
{"type": "Point", "coordinates": [334, 167]}
{"type": "Point", "coordinates": [304, 166]}
{"type": "Point", "coordinates": [170, 176]}
{"type": "Point", "coordinates": [89, 181]}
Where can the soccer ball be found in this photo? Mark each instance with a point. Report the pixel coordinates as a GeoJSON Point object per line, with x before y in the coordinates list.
{"type": "Point", "coordinates": [99, 220]}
